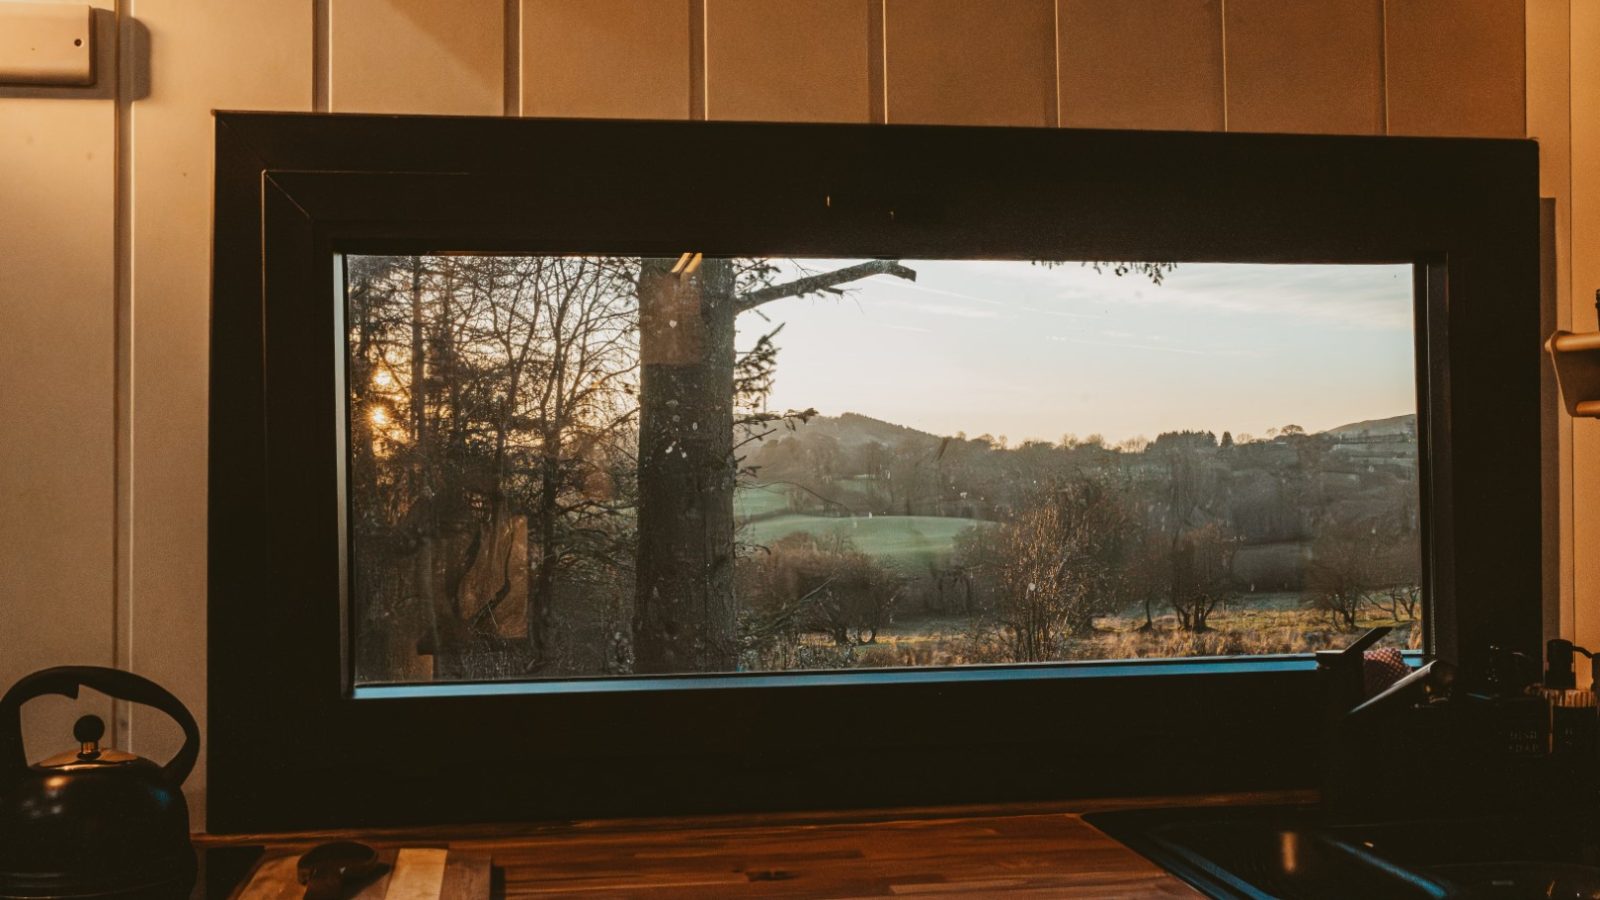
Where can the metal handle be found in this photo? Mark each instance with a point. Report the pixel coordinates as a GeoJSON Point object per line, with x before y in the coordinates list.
{"type": "Point", "coordinates": [65, 681]}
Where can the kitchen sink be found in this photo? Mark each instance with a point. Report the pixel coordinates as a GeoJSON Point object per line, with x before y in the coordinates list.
{"type": "Point", "coordinates": [1285, 852]}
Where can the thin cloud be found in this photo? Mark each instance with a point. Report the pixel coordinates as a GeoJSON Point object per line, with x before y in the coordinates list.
{"type": "Point", "coordinates": [1129, 345]}
{"type": "Point", "coordinates": [1337, 295]}
{"type": "Point", "coordinates": [1333, 294]}
{"type": "Point", "coordinates": [939, 292]}
{"type": "Point", "coordinates": [937, 309]}
{"type": "Point", "coordinates": [1060, 313]}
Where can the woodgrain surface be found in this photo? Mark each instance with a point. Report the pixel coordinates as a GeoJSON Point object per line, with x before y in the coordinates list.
{"type": "Point", "coordinates": [464, 876]}
{"type": "Point", "coordinates": [1024, 850]}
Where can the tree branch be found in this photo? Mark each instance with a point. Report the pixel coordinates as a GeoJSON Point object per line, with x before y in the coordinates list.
{"type": "Point", "coordinates": [784, 616]}
{"type": "Point", "coordinates": [822, 282]}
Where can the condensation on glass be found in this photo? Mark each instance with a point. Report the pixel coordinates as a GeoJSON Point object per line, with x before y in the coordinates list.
{"type": "Point", "coordinates": [577, 466]}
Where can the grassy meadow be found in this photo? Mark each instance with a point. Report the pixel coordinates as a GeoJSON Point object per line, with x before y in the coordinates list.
{"type": "Point", "coordinates": [918, 546]}
{"type": "Point", "coordinates": [912, 544]}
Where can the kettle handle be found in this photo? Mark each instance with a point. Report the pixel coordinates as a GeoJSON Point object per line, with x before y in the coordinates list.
{"type": "Point", "coordinates": [65, 680]}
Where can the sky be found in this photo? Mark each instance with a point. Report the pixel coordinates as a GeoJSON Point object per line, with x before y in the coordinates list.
{"type": "Point", "coordinates": [1029, 352]}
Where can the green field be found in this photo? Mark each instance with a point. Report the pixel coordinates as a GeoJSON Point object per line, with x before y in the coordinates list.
{"type": "Point", "coordinates": [759, 500]}
{"type": "Point", "coordinates": [848, 495]}
{"type": "Point", "coordinates": [910, 543]}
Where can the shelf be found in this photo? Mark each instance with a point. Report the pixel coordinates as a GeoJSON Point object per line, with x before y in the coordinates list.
{"type": "Point", "coordinates": [1577, 362]}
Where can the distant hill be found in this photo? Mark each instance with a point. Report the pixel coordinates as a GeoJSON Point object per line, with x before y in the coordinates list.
{"type": "Point", "coordinates": [853, 429]}
{"type": "Point", "coordinates": [1394, 425]}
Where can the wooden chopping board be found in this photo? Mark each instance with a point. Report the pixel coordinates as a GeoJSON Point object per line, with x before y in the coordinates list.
{"type": "Point", "coordinates": [408, 874]}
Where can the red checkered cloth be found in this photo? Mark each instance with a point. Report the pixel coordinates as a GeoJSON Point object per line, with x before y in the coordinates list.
{"type": "Point", "coordinates": [1381, 668]}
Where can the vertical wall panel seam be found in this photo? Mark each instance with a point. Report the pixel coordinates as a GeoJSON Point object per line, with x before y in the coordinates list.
{"type": "Point", "coordinates": [511, 90]}
{"type": "Point", "coordinates": [1525, 79]}
{"type": "Point", "coordinates": [1055, 83]}
{"type": "Point", "coordinates": [1567, 609]}
{"type": "Point", "coordinates": [1574, 290]}
{"type": "Point", "coordinates": [1222, 22]}
{"type": "Point", "coordinates": [1570, 463]}
{"type": "Point", "coordinates": [876, 85]}
{"type": "Point", "coordinates": [1383, 64]}
{"type": "Point", "coordinates": [321, 55]}
{"type": "Point", "coordinates": [1572, 297]}
{"type": "Point", "coordinates": [698, 95]}
{"type": "Point", "coordinates": [883, 51]}
{"type": "Point", "coordinates": [124, 68]}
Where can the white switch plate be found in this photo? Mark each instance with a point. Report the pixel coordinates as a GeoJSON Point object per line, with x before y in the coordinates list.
{"type": "Point", "coordinates": [46, 43]}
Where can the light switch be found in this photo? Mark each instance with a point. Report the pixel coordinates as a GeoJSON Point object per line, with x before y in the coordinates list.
{"type": "Point", "coordinates": [46, 43]}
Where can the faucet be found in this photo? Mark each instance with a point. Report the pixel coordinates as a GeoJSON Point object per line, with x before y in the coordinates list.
{"type": "Point", "coordinates": [1356, 727]}
{"type": "Point", "coordinates": [1343, 680]}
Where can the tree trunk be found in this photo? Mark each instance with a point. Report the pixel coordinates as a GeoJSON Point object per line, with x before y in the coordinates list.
{"type": "Point", "coordinates": [684, 617]}
{"type": "Point", "coordinates": [444, 627]}
{"type": "Point", "coordinates": [544, 584]}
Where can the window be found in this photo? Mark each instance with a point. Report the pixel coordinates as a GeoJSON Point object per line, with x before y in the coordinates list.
{"type": "Point", "coordinates": [331, 703]}
{"type": "Point", "coordinates": [871, 464]}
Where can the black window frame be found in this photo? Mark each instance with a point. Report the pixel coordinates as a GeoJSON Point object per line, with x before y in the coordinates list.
{"type": "Point", "coordinates": [290, 747]}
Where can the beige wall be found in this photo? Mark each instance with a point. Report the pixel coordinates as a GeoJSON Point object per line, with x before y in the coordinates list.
{"type": "Point", "coordinates": [105, 194]}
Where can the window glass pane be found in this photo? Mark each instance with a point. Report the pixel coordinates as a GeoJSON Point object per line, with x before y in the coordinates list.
{"type": "Point", "coordinates": [579, 466]}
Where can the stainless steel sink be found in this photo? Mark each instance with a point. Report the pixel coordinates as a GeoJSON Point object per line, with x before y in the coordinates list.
{"type": "Point", "coordinates": [1281, 852]}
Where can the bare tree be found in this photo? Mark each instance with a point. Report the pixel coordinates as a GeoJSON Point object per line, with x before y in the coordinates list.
{"type": "Point", "coordinates": [1060, 565]}
{"type": "Point", "coordinates": [1199, 552]}
{"type": "Point", "coordinates": [1202, 574]}
{"type": "Point", "coordinates": [1373, 561]}
{"type": "Point", "coordinates": [1345, 568]}
{"type": "Point", "coordinates": [807, 585]}
{"type": "Point", "coordinates": [487, 393]}
{"type": "Point", "coordinates": [1148, 576]}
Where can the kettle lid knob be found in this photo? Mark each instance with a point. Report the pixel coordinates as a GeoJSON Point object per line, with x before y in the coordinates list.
{"type": "Point", "coordinates": [88, 731]}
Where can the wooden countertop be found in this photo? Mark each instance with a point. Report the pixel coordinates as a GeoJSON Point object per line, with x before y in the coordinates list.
{"type": "Point", "coordinates": [1014, 850]}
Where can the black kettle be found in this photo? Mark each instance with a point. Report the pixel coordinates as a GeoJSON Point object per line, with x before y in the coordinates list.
{"type": "Point", "coordinates": [94, 822]}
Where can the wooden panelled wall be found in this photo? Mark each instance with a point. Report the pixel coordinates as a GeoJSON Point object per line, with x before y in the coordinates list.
{"type": "Point", "coordinates": [105, 204]}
